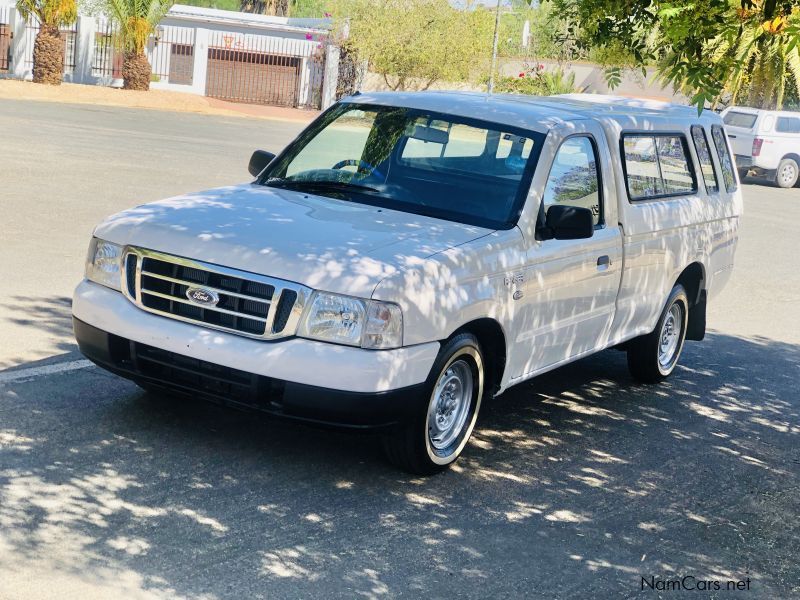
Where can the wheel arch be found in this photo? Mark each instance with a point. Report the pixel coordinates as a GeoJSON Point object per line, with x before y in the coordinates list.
{"type": "Point", "coordinates": [693, 280]}
{"type": "Point", "coordinates": [492, 339]}
{"type": "Point", "coordinates": [794, 156]}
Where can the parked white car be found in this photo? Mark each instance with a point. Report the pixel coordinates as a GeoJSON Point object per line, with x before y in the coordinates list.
{"type": "Point", "coordinates": [410, 256]}
{"type": "Point", "coordinates": [766, 143]}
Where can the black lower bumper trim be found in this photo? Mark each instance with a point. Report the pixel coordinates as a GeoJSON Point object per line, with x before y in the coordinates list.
{"type": "Point", "coordinates": [184, 375]}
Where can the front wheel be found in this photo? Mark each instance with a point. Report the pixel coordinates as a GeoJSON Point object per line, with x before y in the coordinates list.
{"type": "Point", "coordinates": [435, 437]}
{"type": "Point", "coordinates": [653, 357]}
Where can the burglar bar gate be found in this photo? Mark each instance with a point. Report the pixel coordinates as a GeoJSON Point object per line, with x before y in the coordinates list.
{"type": "Point", "coordinates": [5, 38]}
{"type": "Point", "coordinates": [260, 69]}
{"type": "Point", "coordinates": [108, 54]}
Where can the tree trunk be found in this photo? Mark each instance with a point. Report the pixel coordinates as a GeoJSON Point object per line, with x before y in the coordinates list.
{"type": "Point", "coordinates": [48, 56]}
{"type": "Point", "coordinates": [759, 80]}
{"type": "Point", "coordinates": [780, 77]}
{"type": "Point", "coordinates": [136, 72]}
{"type": "Point", "coordinates": [278, 8]}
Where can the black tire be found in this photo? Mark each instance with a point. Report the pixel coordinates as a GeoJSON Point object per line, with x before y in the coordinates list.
{"type": "Point", "coordinates": [787, 173]}
{"type": "Point", "coordinates": [410, 447]}
{"type": "Point", "coordinates": [742, 173]}
{"type": "Point", "coordinates": [646, 361]}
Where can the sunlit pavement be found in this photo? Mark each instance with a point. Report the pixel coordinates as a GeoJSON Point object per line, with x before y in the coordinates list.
{"type": "Point", "coordinates": [576, 485]}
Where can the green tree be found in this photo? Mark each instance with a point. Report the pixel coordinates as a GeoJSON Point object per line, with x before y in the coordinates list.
{"type": "Point", "coordinates": [307, 8]}
{"type": "Point", "coordinates": [137, 21]}
{"type": "Point", "coordinates": [548, 33]}
{"type": "Point", "coordinates": [48, 49]}
{"type": "Point", "coordinates": [416, 42]}
{"type": "Point", "coordinates": [708, 49]}
{"type": "Point", "coordinates": [233, 5]}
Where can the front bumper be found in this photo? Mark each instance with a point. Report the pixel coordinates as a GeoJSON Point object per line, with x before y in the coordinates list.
{"type": "Point", "coordinates": [194, 378]}
{"type": "Point", "coordinates": [297, 378]}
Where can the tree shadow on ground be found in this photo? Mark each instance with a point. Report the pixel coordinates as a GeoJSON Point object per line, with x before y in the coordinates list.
{"type": "Point", "coordinates": [51, 316]}
{"type": "Point", "coordinates": [577, 483]}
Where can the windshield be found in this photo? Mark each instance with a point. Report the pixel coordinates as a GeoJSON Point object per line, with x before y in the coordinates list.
{"type": "Point", "coordinates": [432, 164]}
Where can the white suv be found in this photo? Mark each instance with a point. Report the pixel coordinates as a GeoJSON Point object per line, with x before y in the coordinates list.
{"type": "Point", "coordinates": [766, 143]}
{"type": "Point", "coordinates": [410, 256]}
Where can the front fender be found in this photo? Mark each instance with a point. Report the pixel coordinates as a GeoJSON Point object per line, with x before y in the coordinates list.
{"type": "Point", "coordinates": [441, 293]}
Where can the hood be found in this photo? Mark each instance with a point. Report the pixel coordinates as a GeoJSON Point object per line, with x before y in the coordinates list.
{"type": "Point", "coordinates": [324, 243]}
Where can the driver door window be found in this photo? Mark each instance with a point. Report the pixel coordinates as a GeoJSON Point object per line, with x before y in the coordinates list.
{"type": "Point", "coordinates": [573, 179]}
{"type": "Point", "coordinates": [346, 136]}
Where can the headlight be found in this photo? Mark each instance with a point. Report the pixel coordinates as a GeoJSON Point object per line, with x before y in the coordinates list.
{"type": "Point", "coordinates": [104, 264]}
{"type": "Point", "coordinates": [352, 321]}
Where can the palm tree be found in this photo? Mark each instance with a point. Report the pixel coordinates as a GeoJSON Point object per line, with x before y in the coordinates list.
{"type": "Point", "coordinates": [137, 21]}
{"type": "Point", "coordinates": [757, 52]}
{"type": "Point", "coordinates": [48, 50]}
{"type": "Point", "coordinates": [765, 54]}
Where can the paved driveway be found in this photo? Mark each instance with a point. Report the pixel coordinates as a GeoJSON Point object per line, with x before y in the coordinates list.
{"type": "Point", "coordinates": [577, 484]}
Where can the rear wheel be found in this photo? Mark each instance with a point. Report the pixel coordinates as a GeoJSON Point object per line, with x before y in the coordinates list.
{"type": "Point", "coordinates": [435, 437]}
{"type": "Point", "coordinates": [787, 174]}
{"type": "Point", "coordinates": [653, 357]}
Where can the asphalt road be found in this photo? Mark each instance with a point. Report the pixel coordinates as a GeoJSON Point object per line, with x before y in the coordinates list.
{"type": "Point", "coordinates": [576, 485]}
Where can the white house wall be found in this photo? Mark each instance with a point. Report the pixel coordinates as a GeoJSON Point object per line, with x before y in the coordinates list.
{"type": "Point", "coordinates": [203, 29]}
{"type": "Point", "coordinates": [228, 36]}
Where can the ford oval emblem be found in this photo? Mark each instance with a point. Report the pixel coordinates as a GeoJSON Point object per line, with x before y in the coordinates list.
{"type": "Point", "coordinates": [202, 296]}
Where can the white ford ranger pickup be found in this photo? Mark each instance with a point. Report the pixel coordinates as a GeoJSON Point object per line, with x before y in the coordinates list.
{"type": "Point", "coordinates": [411, 255]}
{"type": "Point", "coordinates": [765, 143]}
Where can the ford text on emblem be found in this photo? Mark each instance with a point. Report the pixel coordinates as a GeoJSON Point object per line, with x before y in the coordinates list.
{"type": "Point", "coordinates": [202, 296]}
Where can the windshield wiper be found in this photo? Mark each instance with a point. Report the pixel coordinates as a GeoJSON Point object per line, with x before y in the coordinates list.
{"type": "Point", "coordinates": [322, 185]}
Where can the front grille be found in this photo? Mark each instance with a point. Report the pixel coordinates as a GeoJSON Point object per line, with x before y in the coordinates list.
{"type": "Point", "coordinates": [196, 378]}
{"type": "Point", "coordinates": [243, 303]}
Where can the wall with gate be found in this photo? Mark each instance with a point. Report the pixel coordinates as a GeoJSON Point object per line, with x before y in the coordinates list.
{"type": "Point", "coordinates": [232, 56]}
{"type": "Point", "coordinates": [249, 58]}
{"type": "Point", "coordinates": [5, 38]}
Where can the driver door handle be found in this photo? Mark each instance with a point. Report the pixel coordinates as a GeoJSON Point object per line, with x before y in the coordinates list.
{"type": "Point", "coordinates": [603, 261]}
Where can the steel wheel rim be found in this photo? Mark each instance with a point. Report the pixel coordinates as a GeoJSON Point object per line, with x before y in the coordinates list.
{"type": "Point", "coordinates": [788, 173]}
{"type": "Point", "coordinates": [450, 405]}
{"type": "Point", "coordinates": [670, 336]}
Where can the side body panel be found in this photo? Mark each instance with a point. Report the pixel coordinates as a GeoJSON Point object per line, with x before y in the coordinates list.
{"type": "Point", "coordinates": [662, 237]}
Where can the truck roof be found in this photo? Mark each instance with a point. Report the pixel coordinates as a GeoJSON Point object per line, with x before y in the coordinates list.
{"type": "Point", "coordinates": [545, 111]}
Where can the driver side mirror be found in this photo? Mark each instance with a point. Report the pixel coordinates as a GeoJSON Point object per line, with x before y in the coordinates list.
{"type": "Point", "coordinates": [259, 161]}
{"type": "Point", "coordinates": [567, 223]}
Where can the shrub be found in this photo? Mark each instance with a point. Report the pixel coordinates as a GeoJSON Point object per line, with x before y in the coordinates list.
{"type": "Point", "coordinates": [538, 81]}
